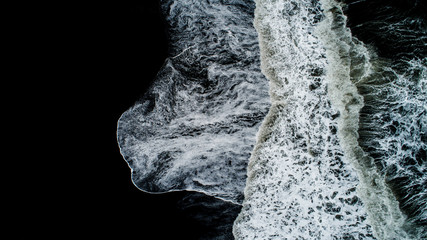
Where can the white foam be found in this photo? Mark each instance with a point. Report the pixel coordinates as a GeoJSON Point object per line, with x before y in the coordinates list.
{"type": "Point", "coordinates": [300, 185]}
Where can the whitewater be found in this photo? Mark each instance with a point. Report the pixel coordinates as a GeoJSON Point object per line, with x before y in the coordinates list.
{"type": "Point", "coordinates": [276, 106]}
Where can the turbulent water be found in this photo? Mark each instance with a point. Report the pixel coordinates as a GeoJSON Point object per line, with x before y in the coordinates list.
{"type": "Point", "coordinates": [195, 127]}
{"type": "Point", "coordinates": [312, 115]}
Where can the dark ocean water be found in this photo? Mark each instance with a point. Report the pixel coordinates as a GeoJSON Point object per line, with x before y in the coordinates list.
{"type": "Point", "coordinates": [397, 31]}
{"type": "Point", "coordinates": [322, 104]}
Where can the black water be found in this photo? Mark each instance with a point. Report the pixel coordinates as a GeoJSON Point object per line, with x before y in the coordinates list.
{"type": "Point", "coordinates": [396, 31]}
{"type": "Point", "coordinates": [395, 28]}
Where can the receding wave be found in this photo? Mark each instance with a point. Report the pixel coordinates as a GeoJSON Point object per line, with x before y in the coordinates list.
{"type": "Point", "coordinates": [195, 127]}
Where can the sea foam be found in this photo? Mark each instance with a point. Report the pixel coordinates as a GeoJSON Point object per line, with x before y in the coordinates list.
{"type": "Point", "coordinates": [300, 183]}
